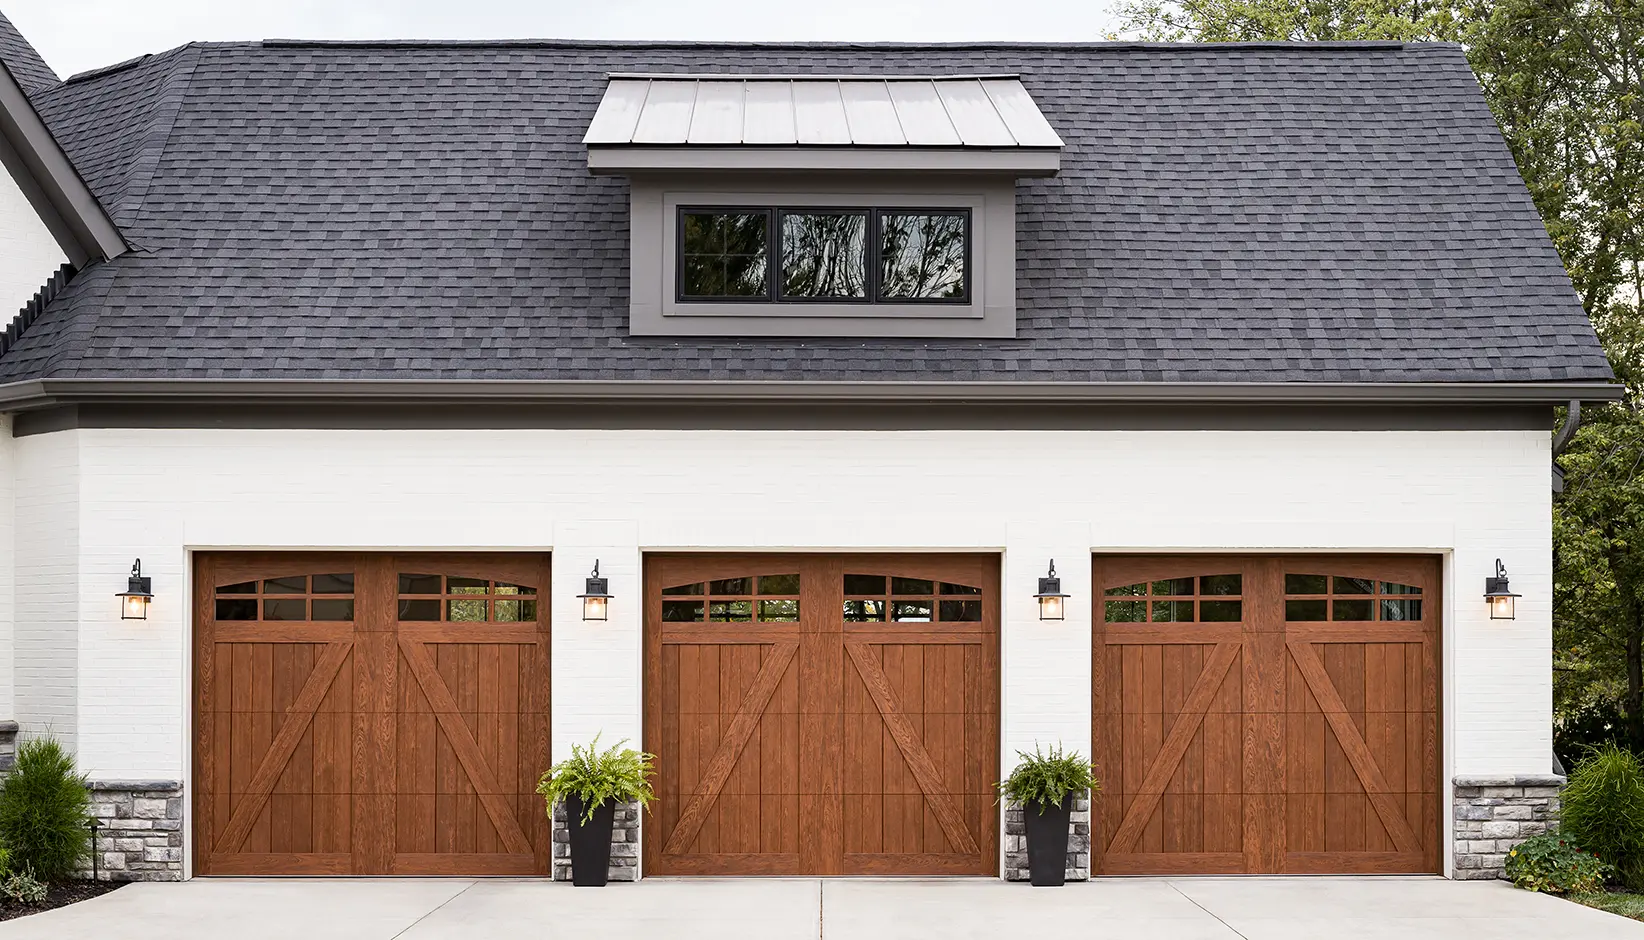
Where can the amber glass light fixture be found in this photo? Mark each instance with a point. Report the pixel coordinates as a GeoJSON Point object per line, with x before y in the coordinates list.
{"type": "Point", "coordinates": [1499, 595]}
{"type": "Point", "coordinates": [596, 596]}
{"type": "Point", "coordinates": [139, 591]}
{"type": "Point", "coordinates": [1052, 601]}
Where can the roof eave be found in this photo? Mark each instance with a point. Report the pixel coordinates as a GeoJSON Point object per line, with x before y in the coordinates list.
{"type": "Point", "coordinates": [1017, 161]}
{"type": "Point", "coordinates": [50, 393]}
{"type": "Point", "coordinates": [55, 189]}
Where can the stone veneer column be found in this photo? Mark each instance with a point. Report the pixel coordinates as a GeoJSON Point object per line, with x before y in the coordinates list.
{"type": "Point", "coordinates": [139, 829]}
{"type": "Point", "coordinates": [1493, 814]}
{"type": "Point", "coordinates": [1078, 842]}
{"type": "Point", "coordinates": [624, 844]}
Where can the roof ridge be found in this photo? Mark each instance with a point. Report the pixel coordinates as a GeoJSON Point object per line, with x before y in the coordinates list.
{"type": "Point", "coordinates": [162, 121]}
{"type": "Point", "coordinates": [1366, 45]}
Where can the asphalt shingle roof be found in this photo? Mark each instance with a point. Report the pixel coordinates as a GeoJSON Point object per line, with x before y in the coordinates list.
{"type": "Point", "coordinates": [1223, 213]}
{"type": "Point", "coordinates": [26, 65]}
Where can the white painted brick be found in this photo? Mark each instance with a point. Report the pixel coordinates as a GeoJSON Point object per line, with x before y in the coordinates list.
{"type": "Point", "coordinates": [28, 253]}
{"type": "Point", "coordinates": [88, 501]}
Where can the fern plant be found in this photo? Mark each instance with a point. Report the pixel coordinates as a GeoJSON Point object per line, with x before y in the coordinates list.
{"type": "Point", "coordinates": [617, 773]}
{"type": "Point", "coordinates": [43, 808]}
{"type": "Point", "coordinates": [1047, 778]}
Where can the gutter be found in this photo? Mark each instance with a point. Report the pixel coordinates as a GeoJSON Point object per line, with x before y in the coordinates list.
{"type": "Point", "coordinates": [39, 394]}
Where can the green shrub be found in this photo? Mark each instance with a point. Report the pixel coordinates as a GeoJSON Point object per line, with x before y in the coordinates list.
{"type": "Point", "coordinates": [43, 806]}
{"type": "Point", "coordinates": [1604, 810]}
{"type": "Point", "coordinates": [617, 773]}
{"type": "Point", "coordinates": [21, 886]}
{"type": "Point", "coordinates": [1047, 778]}
{"type": "Point", "coordinates": [1554, 864]}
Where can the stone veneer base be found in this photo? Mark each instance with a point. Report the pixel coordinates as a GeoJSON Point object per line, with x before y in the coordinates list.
{"type": "Point", "coordinates": [139, 830]}
{"type": "Point", "coordinates": [624, 844]}
{"type": "Point", "coordinates": [1495, 813]}
{"type": "Point", "coordinates": [1078, 843]}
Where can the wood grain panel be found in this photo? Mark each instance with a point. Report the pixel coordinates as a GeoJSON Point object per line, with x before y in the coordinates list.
{"type": "Point", "coordinates": [854, 748]}
{"type": "Point", "coordinates": [320, 746]}
{"type": "Point", "coordinates": [1319, 754]}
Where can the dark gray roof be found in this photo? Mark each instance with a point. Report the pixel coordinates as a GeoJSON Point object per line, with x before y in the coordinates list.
{"type": "Point", "coordinates": [1343, 213]}
{"type": "Point", "coordinates": [19, 55]}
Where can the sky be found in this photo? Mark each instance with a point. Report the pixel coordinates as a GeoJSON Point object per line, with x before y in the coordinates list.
{"type": "Point", "coordinates": [76, 35]}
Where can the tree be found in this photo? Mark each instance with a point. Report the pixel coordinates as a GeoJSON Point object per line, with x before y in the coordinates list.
{"type": "Point", "coordinates": [1565, 80]}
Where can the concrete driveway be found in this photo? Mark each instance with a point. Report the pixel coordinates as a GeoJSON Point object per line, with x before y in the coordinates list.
{"type": "Point", "coordinates": [790, 909]}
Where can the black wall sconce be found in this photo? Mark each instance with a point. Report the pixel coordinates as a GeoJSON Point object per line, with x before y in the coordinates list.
{"type": "Point", "coordinates": [139, 591]}
{"type": "Point", "coordinates": [1050, 596]}
{"type": "Point", "coordinates": [1499, 595]}
{"type": "Point", "coordinates": [596, 596]}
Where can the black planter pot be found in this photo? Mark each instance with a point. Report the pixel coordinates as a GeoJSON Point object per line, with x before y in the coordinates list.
{"type": "Point", "coordinates": [590, 843]}
{"type": "Point", "coordinates": [1047, 841]}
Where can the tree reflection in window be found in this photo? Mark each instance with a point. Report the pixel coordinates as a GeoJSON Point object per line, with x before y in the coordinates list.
{"type": "Point", "coordinates": [824, 255]}
{"type": "Point", "coordinates": [922, 255]}
{"type": "Point", "coordinates": [724, 254]}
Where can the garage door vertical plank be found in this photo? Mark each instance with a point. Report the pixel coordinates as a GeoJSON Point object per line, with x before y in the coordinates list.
{"type": "Point", "coordinates": [207, 782]}
{"type": "Point", "coordinates": [821, 730]}
{"type": "Point", "coordinates": [1264, 836]}
{"type": "Point", "coordinates": [376, 668]}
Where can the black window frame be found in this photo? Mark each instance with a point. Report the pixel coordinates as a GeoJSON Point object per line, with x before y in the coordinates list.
{"type": "Point", "coordinates": [679, 255]}
{"type": "Point", "coordinates": [873, 251]}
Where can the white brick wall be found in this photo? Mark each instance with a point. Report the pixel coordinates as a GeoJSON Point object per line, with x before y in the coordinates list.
{"type": "Point", "coordinates": [28, 253]}
{"type": "Point", "coordinates": [616, 494]}
{"type": "Point", "coordinates": [47, 580]}
{"type": "Point", "coordinates": [8, 473]}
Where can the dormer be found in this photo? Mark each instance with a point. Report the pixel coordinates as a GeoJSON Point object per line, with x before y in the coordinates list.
{"type": "Point", "coordinates": [822, 205]}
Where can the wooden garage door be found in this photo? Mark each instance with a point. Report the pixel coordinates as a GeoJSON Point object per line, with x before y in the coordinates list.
{"type": "Point", "coordinates": [370, 714]}
{"type": "Point", "coordinates": [823, 715]}
{"type": "Point", "coordinates": [1267, 715]}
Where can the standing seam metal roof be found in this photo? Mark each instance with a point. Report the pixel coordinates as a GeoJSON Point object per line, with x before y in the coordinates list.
{"type": "Point", "coordinates": [424, 211]}
{"type": "Point", "coordinates": [916, 112]}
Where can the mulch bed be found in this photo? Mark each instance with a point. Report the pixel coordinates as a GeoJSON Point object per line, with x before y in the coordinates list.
{"type": "Point", "coordinates": [59, 894]}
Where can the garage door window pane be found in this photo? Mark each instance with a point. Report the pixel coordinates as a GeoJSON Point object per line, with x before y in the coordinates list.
{"type": "Point", "coordinates": [291, 608]}
{"type": "Point", "coordinates": [864, 584]}
{"type": "Point", "coordinates": [911, 611]}
{"type": "Point", "coordinates": [419, 610]}
{"type": "Point", "coordinates": [466, 585]}
{"type": "Point", "coordinates": [1126, 612]}
{"type": "Point", "coordinates": [420, 584]}
{"type": "Point", "coordinates": [962, 611]}
{"type": "Point", "coordinates": [297, 585]}
{"type": "Point", "coordinates": [467, 611]}
{"type": "Point", "coordinates": [959, 589]}
{"type": "Point", "coordinates": [912, 586]}
{"type": "Point", "coordinates": [1350, 609]}
{"type": "Point", "coordinates": [779, 584]}
{"type": "Point", "coordinates": [864, 611]}
{"type": "Point", "coordinates": [1221, 611]}
{"type": "Point", "coordinates": [333, 584]}
{"type": "Point", "coordinates": [244, 587]}
{"type": "Point", "coordinates": [1175, 587]}
{"type": "Point", "coordinates": [779, 611]}
{"type": "Point", "coordinates": [515, 611]}
{"type": "Point", "coordinates": [731, 586]}
{"type": "Point", "coordinates": [1305, 610]}
{"type": "Point", "coordinates": [730, 611]}
{"type": "Point", "coordinates": [1401, 610]}
{"type": "Point", "coordinates": [680, 589]}
{"type": "Point", "coordinates": [333, 609]}
{"type": "Point", "coordinates": [502, 588]}
{"type": "Point", "coordinates": [1388, 587]}
{"type": "Point", "coordinates": [1129, 590]}
{"type": "Point", "coordinates": [1306, 584]}
{"type": "Point", "coordinates": [681, 611]}
{"type": "Point", "coordinates": [1222, 585]}
{"type": "Point", "coordinates": [236, 609]}
{"type": "Point", "coordinates": [1354, 586]}
{"type": "Point", "coordinates": [1173, 611]}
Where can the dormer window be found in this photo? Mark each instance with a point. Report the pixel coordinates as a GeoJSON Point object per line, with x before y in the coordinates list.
{"type": "Point", "coordinates": [822, 255]}
{"type": "Point", "coordinates": [822, 206]}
